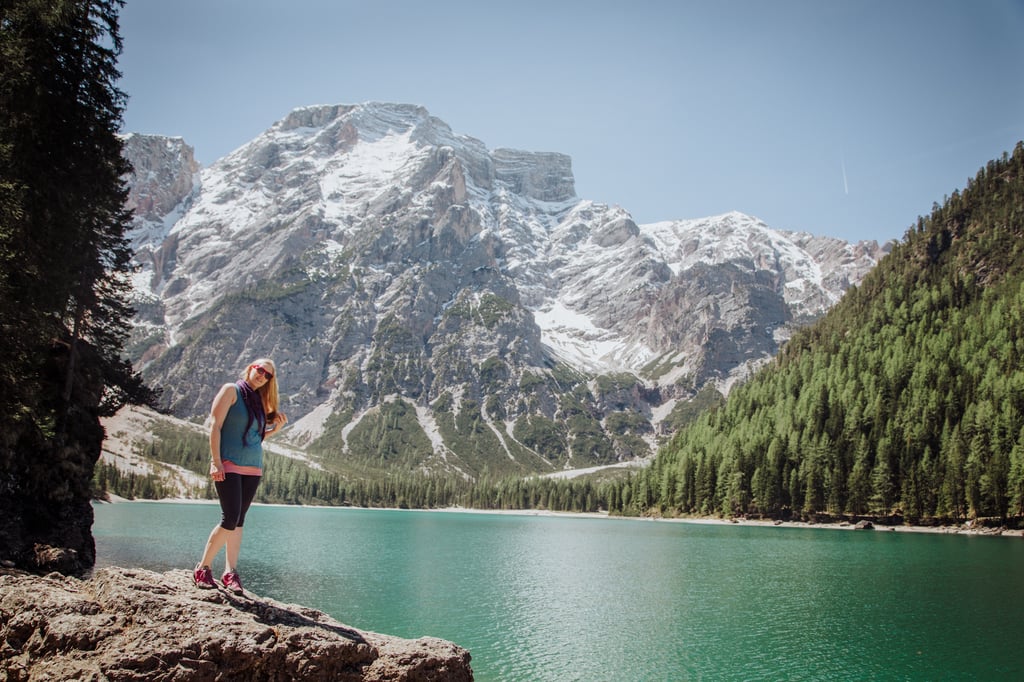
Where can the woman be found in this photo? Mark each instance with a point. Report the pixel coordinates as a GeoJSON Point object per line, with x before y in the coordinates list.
{"type": "Point", "coordinates": [243, 414]}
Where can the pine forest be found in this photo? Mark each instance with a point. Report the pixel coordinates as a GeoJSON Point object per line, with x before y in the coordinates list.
{"type": "Point", "coordinates": [906, 399]}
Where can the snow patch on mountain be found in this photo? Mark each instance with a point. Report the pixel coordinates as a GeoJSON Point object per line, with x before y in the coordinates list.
{"type": "Point", "coordinates": [429, 425]}
{"type": "Point", "coordinates": [574, 338]}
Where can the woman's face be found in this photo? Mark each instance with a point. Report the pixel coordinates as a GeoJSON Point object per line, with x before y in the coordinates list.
{"type": "Point", "coordinates": [259, 375]}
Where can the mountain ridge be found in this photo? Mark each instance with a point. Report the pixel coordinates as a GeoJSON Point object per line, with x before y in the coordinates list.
{"type": "Point", "coordinates": [398, 260]}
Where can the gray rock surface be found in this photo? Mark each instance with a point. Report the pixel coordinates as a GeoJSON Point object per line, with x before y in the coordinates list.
{"type": "Point", "coordinates": [140, 625]}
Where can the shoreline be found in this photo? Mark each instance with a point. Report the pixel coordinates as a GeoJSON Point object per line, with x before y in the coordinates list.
{"type": "Point", "coordinates": [962, 529]}
{"type": "Point", "coordinates": [715, 521]}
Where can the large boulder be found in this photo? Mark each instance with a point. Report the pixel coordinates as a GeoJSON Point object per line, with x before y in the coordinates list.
{"type": "Point", "coordinates": [140, 625]}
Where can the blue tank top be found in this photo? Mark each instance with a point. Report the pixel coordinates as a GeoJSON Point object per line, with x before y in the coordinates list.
{"type": "Point", "coordinates": [231, 447]}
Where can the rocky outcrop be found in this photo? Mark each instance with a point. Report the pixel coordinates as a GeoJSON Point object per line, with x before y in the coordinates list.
{"type": "Point", "coordinates": [139, 625]}
{"type": "Point", "coordinates": [164, 170]}
{"type": "Point", "coordinates": [165, 175]}
{"type": "Point", "coordinates": [537, 175]}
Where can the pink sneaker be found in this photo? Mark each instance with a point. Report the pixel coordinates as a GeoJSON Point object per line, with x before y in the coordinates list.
{"type": "Point", "coordinates": [232, 582]}
{"type": "Point", "coordinates": [203, 578]}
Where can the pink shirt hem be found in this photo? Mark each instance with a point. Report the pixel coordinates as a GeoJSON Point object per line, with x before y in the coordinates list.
{"type": "Point", "coordinates": [232, 468]}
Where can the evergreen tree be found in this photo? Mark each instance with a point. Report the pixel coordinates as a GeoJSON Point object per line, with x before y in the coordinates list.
{"type": "Point", "coordinates": [64, 266]}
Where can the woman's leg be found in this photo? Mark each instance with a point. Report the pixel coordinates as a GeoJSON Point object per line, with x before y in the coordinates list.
{"type": "Point", "coordinates": [247, 490]}
{"type": "Point", "coordinates": [231, 550]}
{"type": "Point", "coordinates": [218, 538]}
{"type": "Point", "coordinates": [229, 492]}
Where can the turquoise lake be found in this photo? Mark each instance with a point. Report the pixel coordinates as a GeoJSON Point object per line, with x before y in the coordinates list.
{"type": "Point", "coordinates": [564, 598]}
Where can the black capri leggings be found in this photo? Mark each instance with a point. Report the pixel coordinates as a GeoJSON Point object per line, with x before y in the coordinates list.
{"type": "Point", "coordinates": [235, 492]}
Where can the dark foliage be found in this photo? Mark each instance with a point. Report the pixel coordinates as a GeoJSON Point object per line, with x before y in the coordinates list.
{"type": "Point", "coordinates": [64, 266]}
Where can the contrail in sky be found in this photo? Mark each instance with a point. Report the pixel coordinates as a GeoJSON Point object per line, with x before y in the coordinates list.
{"type": "Point", "coordinates": [842, 161]}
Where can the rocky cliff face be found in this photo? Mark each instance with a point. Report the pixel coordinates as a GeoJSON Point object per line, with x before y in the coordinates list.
{"type": "Point", "coordinates": [409, 281]}
{"type": "Point", "coordinates": [145, 626]}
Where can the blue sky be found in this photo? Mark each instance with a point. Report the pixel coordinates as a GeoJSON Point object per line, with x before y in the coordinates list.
{"type": "Point", "coordinates": [846, 119]}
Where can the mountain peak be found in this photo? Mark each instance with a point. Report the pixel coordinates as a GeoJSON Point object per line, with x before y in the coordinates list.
{"type": "Point", "coordinates": [381, 257]}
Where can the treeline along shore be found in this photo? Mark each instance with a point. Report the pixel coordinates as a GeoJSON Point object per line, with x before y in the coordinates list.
{"type": "Point", "coordinates": [903, 405]}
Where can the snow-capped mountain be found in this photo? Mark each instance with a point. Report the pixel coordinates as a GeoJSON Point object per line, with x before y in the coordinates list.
{"type": "Point", "coordinates": [448, 306]}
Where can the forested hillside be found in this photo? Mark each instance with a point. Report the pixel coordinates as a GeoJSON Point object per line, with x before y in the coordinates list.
{"type": "Point", "coordinates": [907, 399]}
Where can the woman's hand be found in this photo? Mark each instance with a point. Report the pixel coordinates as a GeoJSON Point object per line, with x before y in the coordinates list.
{"type": "Point", "coordinates": [277, 423]}
{"type": "Point", "coordinates": [217, 471]}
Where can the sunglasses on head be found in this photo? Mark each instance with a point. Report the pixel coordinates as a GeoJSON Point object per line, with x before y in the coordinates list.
{"type": "Point", "coordinates": [262, 372]}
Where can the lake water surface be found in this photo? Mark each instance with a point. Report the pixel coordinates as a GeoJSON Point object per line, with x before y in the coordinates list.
{"type": "Point", "coordinates": [558, 598]}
